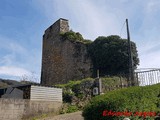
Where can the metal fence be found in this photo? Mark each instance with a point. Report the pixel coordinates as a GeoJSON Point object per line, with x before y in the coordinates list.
{"type": "Point", "coordinates": [147, 76]}
{"type": "Point", "coordinates": [40, 93]}
{"type": "Point", "coordinates": [143, 77]}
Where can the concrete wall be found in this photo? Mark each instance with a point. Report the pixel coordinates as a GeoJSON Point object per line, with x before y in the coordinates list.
{"type": "Point", "coordinates": [15, 109]}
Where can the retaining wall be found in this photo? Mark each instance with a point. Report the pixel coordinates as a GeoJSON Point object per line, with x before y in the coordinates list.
{"type": "Point", "coordinates": [15, 109]}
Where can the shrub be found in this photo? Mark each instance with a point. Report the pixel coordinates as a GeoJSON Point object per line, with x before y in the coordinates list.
{"type": "Point", "coordinates": [68, 92]}
{"type": "Point", "coordinates": [74, 37]}
{"type": "Point", "coordinates": [112, 83]}
{"type": "Point", "coordinates": [68, 108]}
{"type": "Point", "coordinates": [67, 96]}
{"type": "Point", "coordinates": [133, 99]}
{"type": "Point", "coordinates": [77, 92]}
{"type": "Point", "coordinates": [78, 88]}
{"type": "Point", "coordinates": [72, 108]}
{"type": "Point", "coordinates": [82, 89]}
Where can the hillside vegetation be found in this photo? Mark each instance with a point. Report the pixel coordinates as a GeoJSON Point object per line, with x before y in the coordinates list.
{"type": "Point", "coordinates": [6, 83]}
{"type": "Point", "coordinates": [138, 102]}
{"type": "Point", "coordinates": [76, 94]}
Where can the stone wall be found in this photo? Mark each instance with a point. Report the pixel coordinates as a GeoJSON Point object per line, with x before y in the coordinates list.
{"type": "Point", "coordinates": [63, 60]}
{"type": "Point", "coordinates": [16, 109]}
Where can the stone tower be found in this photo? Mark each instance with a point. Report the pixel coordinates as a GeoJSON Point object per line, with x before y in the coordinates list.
{"type": "Point", "coordinates": [63, 60]}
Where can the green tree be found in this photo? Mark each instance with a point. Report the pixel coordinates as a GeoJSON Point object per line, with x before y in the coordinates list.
{"type": "Point", "coordinates": [110, 55]}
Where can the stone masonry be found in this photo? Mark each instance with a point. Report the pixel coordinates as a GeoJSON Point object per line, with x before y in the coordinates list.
{"type": "Point", "coordinates": [63, 60]}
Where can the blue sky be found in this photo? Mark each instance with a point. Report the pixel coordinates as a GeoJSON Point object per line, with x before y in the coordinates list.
{"type": "Point", "coordinates": [22, 24]}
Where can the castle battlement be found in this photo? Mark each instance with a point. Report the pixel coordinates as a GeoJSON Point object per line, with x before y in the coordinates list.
{"type": "Point", "coordinates": [55, 29]}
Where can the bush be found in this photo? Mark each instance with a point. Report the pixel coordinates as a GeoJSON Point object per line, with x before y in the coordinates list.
{"type": "Point", "coordinates": [68, 108]}
{"type": "Point", "coordinates": [133, 99]}
{"type": "Point", "coordinates": [78, 88]}
{"type": "Point", "coordinates": [74, 37]}
{"type": "Point", "coordinates": [112, 83]}
{"type": "Point", "coordinates": [72, 108]}
{"type": "Point", "coordinates": [82, 89]}
{"type": "Point", "coordinates": [68, 92]}
{"type": "Point", "coordinates": [67, 96]}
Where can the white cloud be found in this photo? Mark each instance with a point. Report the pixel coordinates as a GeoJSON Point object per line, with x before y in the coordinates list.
{"type": "Point", "coordinates": [13, 71]}
{"type": "Point", "coordinates": [150, 60]}
{"type": "Point", "coordinates": [12, 51]}
{"type": "Point", "coordinates": [15, 47]}
{"type": "Point", "coordinates": [11, 45]}
{"type": "Point", "coordinates": [87, 17]}
{"type": "Point", "coordinates": [152, 6]}
{"type": "Point", "coordinates": [7, 59]}
{"type": "Point", "coordinates": [94, 18]}
{"type": "Point", "coordinates": [14, 54]}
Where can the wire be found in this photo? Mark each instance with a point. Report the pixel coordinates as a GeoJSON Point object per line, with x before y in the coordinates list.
{"type": "Point", "coordinates": [122, 28]}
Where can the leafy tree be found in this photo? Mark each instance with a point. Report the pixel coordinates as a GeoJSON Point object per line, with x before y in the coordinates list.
{"type": "Point", "coordinates": [110, 55]}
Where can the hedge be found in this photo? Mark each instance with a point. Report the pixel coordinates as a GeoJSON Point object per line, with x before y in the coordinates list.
{"type": "Point", "coordinates": [135, 103]}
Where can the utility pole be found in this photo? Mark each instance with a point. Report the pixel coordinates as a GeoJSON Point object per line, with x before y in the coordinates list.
{"type": "Point", "coordinates": [99, 83]}
{"type": "Point", "coordinates": [131, 68]}
{"type": "Point", "coordinates": [98, 73]}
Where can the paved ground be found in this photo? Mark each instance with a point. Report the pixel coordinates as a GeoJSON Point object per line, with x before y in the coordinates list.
{"type": "Point", "coordinates": [70, 116]}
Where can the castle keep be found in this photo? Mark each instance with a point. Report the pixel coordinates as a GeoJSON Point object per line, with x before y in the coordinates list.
{"type": "Point", "coordinates": [63, 60]}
